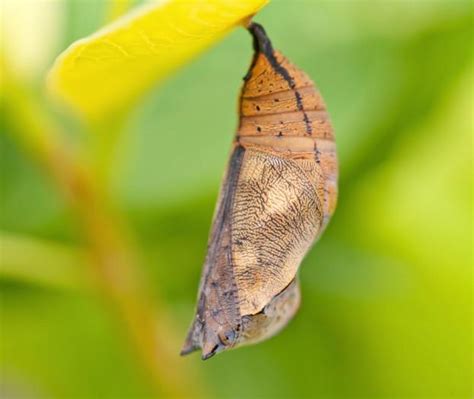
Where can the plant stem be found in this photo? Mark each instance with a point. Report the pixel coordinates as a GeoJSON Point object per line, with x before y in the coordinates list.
{"type": "Point", "coordinates": [111, 251]}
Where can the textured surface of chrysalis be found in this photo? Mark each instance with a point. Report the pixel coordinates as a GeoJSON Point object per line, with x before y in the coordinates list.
{"type": "Point", "coordinates": [278, 194]}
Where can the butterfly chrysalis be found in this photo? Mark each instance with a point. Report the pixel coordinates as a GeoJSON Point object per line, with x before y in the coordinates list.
{"type": "Point", "coordinates": [277, 196]}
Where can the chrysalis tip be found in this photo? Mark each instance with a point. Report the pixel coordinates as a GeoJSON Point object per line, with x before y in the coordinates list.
{"type": "Point", "coordinates": [207, 353]}
{"type": "Point", "coordinates": [261, 42]}
{"type": "Point", "coordinates": [190, 344]}
{"type": "Point", "coordinates": [187, 349]}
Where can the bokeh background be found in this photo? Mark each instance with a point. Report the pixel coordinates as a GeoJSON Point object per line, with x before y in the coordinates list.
{"type": "Point", "coordinates": [387, 291]}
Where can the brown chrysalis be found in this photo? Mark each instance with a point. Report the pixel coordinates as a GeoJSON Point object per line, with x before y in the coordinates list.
{"type": "Point", "coordinates": [278, 194]}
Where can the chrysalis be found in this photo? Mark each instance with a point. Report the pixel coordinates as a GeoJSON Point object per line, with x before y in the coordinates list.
{"type": "Point", "coordinates": [278, 194]}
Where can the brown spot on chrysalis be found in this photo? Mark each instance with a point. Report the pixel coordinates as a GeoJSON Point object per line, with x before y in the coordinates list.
{"type": "Point", "coordinates": [278, 194]}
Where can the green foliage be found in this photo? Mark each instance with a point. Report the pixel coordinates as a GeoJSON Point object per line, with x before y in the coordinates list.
{"type": "Point", "coordinates": [387, 292]}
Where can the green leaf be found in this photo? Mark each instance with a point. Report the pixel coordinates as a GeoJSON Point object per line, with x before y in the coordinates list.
{"type": "Point", "coordinates": [43, 263]}
{"type": "Point", "coordinates": [103, 74]}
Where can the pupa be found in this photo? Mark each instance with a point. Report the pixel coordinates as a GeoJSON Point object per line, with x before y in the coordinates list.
{"type": "Point", "coordinates": [277, 196]}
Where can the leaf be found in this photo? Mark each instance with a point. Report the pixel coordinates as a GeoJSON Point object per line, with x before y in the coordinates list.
{"type": "Point", "coordinates": [44, 263]}
{"type": "Point", "coordinates": [103, 74]}
{"type": "Point", "coordinates": [30, 35]}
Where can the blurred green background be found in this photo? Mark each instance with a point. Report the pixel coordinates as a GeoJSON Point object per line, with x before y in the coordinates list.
{"type": "Point", "coordinates": [387, 292]}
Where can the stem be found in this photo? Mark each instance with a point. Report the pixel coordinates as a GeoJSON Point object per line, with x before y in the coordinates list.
{"type": "Point", "coordinates": [111, 252]}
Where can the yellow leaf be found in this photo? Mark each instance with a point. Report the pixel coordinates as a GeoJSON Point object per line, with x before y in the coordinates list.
{"type": "Point", "coordinates": [105, 73]}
